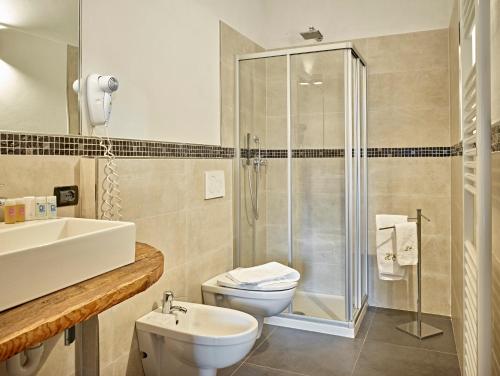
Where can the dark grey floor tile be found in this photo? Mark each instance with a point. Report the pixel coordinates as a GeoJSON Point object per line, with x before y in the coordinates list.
{"type": "Point", "coordinates": [365, 325]}
{"type": "Point", "coordinates": [383, 329]}
{"type": "Point", "coordinates": [384, 359]}
{"type": "Point", "coordinates": [228, 371]}
{"type": "Point", "coordinates": [267, 330]}
{"type": "Point", "coordinates": [307, 353]}
{"type": "Point", "coordinates": [253, 370]}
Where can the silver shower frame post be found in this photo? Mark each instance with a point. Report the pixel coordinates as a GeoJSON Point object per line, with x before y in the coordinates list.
{"type": "Point", "coordinates": [418, 328]}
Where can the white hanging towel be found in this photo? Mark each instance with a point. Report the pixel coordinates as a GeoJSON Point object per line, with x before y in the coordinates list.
{"type": "Point", "coordinates": [388, 266]}
{"type": "Point", "coordinates": [258, 275]}
{"type": "Point", "coordinates": [407, 243]}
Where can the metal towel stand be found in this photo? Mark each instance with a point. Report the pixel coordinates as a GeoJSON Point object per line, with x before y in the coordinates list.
{"type": "Point", "coordinates": [418, 328]}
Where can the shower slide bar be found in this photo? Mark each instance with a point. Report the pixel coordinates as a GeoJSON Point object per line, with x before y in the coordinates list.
{"type": "Point", "coordinates": [418, 328]}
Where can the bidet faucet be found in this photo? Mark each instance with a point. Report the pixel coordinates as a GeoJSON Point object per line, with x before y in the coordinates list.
{"type": "Point", "coordinates": [167, 307]}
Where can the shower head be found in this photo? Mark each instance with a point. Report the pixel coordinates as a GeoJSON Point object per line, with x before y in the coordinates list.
{"type": "Point", "coordinates": [312, 33]}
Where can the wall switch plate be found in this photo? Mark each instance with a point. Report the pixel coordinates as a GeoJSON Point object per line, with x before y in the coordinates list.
{"type": "Point", "coordinates": [66, 196]}
{"type": "Point", "coordinates": [215, 185]}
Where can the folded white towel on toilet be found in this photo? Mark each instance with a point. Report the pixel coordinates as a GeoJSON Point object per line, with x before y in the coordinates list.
{"type": "Point", "coordinates": [407, 243]}
{"type": "Point", "coordinates": [261, 274]}
{"type": "Point", "coordinates": [277, 285]}
{"type": "Point", "coordinates": [388, 266]}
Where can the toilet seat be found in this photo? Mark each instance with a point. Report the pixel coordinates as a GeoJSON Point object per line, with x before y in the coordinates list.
{"type": "Point", "coordinates": [212, 286]}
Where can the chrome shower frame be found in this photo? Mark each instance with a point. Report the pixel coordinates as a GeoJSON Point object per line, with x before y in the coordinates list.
{"type": "Point", "coordinates": [356, 292]}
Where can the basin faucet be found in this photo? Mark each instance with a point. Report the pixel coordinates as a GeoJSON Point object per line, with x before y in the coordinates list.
{"type": "Point", "coordinates": [167, 307]}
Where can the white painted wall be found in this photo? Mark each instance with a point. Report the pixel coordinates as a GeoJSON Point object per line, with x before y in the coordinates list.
{"type": "Point", "coordinates": [341, 20]}
{"type": "Point", "coordinates": [33, 83]}
{"type": "Point", "coordinates": [165, 54]}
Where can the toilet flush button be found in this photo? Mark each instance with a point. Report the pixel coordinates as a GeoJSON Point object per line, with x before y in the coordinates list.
{"type": "Point", "coordinates": [214, 184]}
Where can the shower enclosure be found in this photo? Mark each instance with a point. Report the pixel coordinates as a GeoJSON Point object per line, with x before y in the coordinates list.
{"type": "Point", "coordinates": [301, 178]}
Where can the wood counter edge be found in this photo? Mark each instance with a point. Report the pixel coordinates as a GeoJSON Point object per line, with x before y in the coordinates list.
{"type": "Point", "coordinates": [40, 319]}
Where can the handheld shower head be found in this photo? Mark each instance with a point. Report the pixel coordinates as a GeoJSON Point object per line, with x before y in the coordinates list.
{"type": "Point", "coordinates": [312, 33]}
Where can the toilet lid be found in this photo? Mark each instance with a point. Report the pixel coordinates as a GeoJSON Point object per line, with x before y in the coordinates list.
{"type": "Point", "coordinates": [224, 281]}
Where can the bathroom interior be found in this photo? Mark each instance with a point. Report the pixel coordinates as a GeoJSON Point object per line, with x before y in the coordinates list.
{"type": "Point", "coordinates": [249, 187]}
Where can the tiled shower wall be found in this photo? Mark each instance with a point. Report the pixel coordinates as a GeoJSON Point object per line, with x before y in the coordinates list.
{"type": "Point", "coordinates": [252, 120]}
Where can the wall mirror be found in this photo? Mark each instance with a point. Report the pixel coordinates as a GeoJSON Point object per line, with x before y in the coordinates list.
{"type": "Point", "coordinates": [39, 61]}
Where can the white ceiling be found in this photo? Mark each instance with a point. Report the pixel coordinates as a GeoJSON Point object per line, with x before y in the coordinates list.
{"type": "Point", "coordinates": [52, 19]}
{"type": "Point", "coordinates": [277, 23]}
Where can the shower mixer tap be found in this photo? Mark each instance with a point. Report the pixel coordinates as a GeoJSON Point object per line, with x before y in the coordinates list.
{"type": "Point", "coordinates": [254, 179]}
{"type": "Point", "coordinates": [258, 160]}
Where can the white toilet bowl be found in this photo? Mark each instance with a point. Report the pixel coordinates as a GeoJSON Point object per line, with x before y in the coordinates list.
{"type": "Point", "coordinates": [196, 343]}
{"type": "Point", "coordinates": [258, 303]}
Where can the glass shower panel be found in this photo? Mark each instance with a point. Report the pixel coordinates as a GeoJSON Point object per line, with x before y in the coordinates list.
{"type": "Point", "coordinates": [318, 183]}
{"type": "Point", "coordinates": [263, 181]}
{"type": "Point", "coordinates": [252, 120]}
{"type": "Point", "coordinates": [276, 189]}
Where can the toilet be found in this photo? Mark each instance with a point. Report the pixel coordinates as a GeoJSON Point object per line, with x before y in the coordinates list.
{"type": "Point", "coordinates": [195, 343]}
{"type": "Point", "coordinates": [260, 302]}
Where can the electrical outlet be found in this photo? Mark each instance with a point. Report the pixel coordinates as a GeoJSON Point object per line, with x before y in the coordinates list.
{"type": "Point", "coordinates": [66, 196]}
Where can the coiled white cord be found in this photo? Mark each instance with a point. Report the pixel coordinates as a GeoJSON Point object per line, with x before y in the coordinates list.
{"type": "Point", "coordinates": [111, 200]}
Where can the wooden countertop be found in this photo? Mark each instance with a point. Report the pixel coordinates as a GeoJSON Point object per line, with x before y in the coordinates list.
{"type": "Point", "coordinates": [42, 318]}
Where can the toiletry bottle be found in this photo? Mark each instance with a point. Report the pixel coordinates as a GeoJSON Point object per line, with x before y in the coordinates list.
{"type": "Point", "coordinates": [41, 207]}
{"type": "Point", "coordinates": [51, 207]}
{"type": "Point", "coordinates": [3, 200]}
{"type": "Point", "coordinates": [29, 208]}
{"type": "Point", "coordinates": [20, 210]}
{"type": "Point", "coordinates": [9, 211]}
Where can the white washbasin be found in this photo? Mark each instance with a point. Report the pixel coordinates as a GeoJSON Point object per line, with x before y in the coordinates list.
{"type": "Point", "coordinates": [40, 257]}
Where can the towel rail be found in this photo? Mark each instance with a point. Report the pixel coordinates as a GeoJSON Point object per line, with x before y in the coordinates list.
{"type": "Point", "coordinates": [418, 328]}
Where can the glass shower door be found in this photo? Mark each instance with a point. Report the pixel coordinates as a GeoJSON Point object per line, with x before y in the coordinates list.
{"type": "Point", "coordinates": [318, 183]}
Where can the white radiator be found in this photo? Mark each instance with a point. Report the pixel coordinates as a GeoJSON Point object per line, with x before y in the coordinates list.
{"type": "Point", "coordinates": [476, 123]}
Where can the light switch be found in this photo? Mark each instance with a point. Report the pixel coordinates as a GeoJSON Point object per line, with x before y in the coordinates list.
{"type": "Point", "coordinates": [215, 185]}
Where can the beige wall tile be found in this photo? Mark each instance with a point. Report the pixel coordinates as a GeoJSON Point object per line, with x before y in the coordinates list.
{"type": "Point", "coordinates": [232, 43]}
{"type": "Point", "coordinates": [37, 176]}
{"type": "Point", "coordinates": [194, 234]}
{"type": "Point", "coordinates": [400, 186]}
{"type": "Point", "coordinates": [406, 52]}
{"type": "Point", "coordinates": [408, 126]}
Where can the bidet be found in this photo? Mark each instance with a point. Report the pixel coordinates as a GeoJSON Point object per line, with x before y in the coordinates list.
{"type": "Point", "coordinates": [196, 343]}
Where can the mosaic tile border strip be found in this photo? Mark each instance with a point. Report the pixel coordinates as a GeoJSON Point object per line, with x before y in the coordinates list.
{"type": "Point", "coordinates": [415, 152]}
{"type": "Point", "coordinates": [13, 143]}
{"type": "Point", "coordinates": [296, 153]}
{"type": "Point", "coordinates": [34, 144]}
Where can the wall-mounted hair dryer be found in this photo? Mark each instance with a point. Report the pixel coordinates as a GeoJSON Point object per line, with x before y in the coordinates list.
{"type": "Point", "coordinates": [99, 89]}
